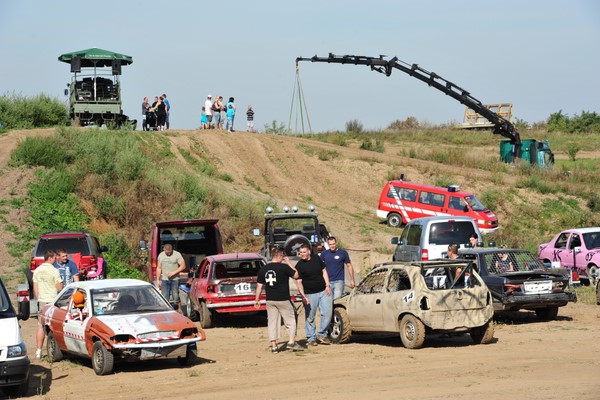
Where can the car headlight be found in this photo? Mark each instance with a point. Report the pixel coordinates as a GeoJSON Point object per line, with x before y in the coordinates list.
{"type": "Point", "coordinates": [19, 350]}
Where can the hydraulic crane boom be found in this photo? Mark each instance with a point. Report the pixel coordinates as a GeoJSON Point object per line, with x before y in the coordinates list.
{"type": "Point", "coordinates": [502, 126]}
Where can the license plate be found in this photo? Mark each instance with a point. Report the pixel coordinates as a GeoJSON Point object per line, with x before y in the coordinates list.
{"type": "Point", "coordinates": [538, 287]}
{"type": "Point", "coordinates": [239, 288]}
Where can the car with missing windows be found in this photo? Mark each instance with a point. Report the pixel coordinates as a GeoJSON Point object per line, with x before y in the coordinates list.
{"type": "Point", "coordinates": [417, 299]}
{"type": "Point", "coordinates": [577, 250]}
{"type": "Point", "coordinates": [113, 320]}
{"type": "Point", "coordinates": [223, 284]}
{"type": "Point", "coordinates": [519, 281]}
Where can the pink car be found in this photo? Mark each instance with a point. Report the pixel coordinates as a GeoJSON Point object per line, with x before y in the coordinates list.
{"type": "Point", "coordinates": [576, 249]}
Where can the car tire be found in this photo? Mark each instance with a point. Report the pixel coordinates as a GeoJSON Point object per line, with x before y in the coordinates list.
{"type": "Point", "coordinates": [192, 313]}
{"type": "Point", "coordinates": [191, 355]}
{"type": "Point", "coordinates": [547, 314]}
{"type": "Point", "coordinates": [593, 272]}
{"type": "Point", "coordinates": [483, 334]}
{"type": "Point", "coordinates": [54, 352]}
{"type": "Point", "coordinates": [294, 242]}
{"type": "Point", "coordinates": [29, 277]}
{"type": "Point", "coordinates": [412, 332]}
{"type": "Point", "coordinates": [394, 220]}
{"type": "Point", "coordinates": [340, 331]}
{"type": "Point", "coordinates": [102, 359]}
{"type": "Point", "coordinates": [206, 316]}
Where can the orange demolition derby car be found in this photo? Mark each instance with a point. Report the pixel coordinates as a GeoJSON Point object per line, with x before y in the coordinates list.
{"type": "Point", "coordinates": [117, 319]}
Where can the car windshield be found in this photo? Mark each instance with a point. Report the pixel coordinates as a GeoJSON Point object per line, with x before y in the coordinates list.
{"type": "Point", "coordinates": [592, 240]}
{"type": "Point", "coordinates": [502, 261]}
{"type": "Point", "coordinates": [71, 245]}
{"type": "Point", "coordinates": [450, 276]}
{"type": "Point", "coordinates": [450, 232]}
{"type": "Point", "coordinates": [127, 300]}
{"type": "Point", "coordinates": [475, 203]}
{"type": "Point", "coordinates": [291, 226]}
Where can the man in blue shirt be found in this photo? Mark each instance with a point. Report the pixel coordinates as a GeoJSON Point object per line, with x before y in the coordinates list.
{"type": "Point", "coordinates": [335, 259]}
{"type": "Point", "coordinates": [167, 123]}
{"type": "Point", "coordinates": [67, 268]}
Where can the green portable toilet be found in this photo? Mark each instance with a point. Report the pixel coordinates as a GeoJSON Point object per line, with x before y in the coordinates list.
{"type": "Point", "coordinates": [506, 150]}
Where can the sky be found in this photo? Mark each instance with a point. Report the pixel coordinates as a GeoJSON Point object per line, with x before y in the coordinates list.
{"type": "Point", "coordinates": [541, 56]}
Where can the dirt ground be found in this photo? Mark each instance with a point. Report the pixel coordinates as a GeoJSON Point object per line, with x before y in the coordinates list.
{"type": "Point", "coordinates": [529, 359]}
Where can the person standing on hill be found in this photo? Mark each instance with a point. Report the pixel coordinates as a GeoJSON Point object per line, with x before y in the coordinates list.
{"type": "Point", "coordinates": [145, 107]}
{"type": "Point", "coordinates": [169, 264]}
{"type": "Point", "coordinates": [208, 109]}
{"type": "Point", "coordinates": [250, 117]}
{"type": "Point", "coordinates": [230, 107]}
{"type": "Point", "coordinates": [275, 278]}
{"type": "Point", "coordinates": [216, 109]}
{"type": "Point", "coordinates": [46, 285]}
{"type": "Point", "coordinates": [335, 260]}
{"type": "Point", "coordinates": [168, 110]}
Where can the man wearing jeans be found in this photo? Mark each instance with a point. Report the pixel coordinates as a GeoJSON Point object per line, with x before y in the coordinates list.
{"type": "Point", "coordinates": [335, 259]}
{"type": "Point", "coordinates": [316, 293]}
{"type": "Point", "coordinates": [169, 264]}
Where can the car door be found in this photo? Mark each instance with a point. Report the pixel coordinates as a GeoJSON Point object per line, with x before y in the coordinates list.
{"type": "Point", "coordinates": [365, 306]}
{"type": "Point", "coordinates": [75, 324]}
{"type": "Point", "coordinates": [576, 252]}
{"type": "Point", "coordinates": [56, 315]}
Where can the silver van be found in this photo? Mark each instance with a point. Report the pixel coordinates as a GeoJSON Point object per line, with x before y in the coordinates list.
{"type": "Point", "coordinates": [428, 238]}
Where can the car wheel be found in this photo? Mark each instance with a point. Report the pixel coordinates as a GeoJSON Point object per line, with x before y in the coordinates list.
{"type": "Point", "coordinates": [340, 326]}
{"type": "Point", "coordinates": [29, 276]}
{"type": "Point", "coordinates": [54, 352]}
{"type": "Point", "coordinates": [206, 316]}
{"type": "Point", "coordinates": [102, 359]}
{"type": "Point", "coordinates": [593, 272]}
{"type": "Point", "coordinates": [483, 334]}
{"type": "Point", "coordinates": [394, 220]}
{"type": "Point", "coordinates": [412, 332]}
{"type": "Point", "coordinates": [191, 354]}
{"type": "Point", "coordinates": [293, 243]}
{"type": "Point", "coordinates": [192, 313]}
{"type": "Point", "coordinates": [547, 314]}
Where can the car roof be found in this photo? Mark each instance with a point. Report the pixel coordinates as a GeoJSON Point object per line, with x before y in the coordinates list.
{"type": "Point", "coordinates": [109, 283]}
{"type": "Point", "coordinates": [430, 187]}
{"type": "Point", "coordinates": [487, 250]}
{"type": "Point", "coordinates": [442, 218]}
{"type": "Point", "coordinates": [187, 222]}
{"type": "Point", "coordinates": [52, 234]}
{"type": "Point", "coordinates": [234, 256]}
{"type": "Point", "coordinates": [583, 230]}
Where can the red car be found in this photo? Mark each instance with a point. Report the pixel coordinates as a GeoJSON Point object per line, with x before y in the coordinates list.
{"type": "Point", "coordinates": [224, 284]}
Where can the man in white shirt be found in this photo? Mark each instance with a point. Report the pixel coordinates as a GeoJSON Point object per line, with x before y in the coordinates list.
{"type": "Point", "coordinates": [208, 110]}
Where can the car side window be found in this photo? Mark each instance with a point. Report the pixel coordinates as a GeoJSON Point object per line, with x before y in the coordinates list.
{"type": "Point", "coordinates": [373, 283]}
{"type": "Point", "coordinates": [561, 242]}
{"type": "Point", "coordinates": [63, 300]}
{"type": "Point", "coordinates": [457, 203]}
{"type": "Point", "coordinates": [398, 281]}
{"type": "Point", "coordinates": [575, 241]}
{"type": "Point", "coordinates": [434, 199]}
{"type": "Point", "coordinates": [205, 269]}
{"type": "Point", "coordinates": [414, 235]}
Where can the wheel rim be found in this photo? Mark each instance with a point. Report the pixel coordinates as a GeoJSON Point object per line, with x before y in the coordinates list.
{"type": "Point", "coordinates": [410, 331]}
{"type": "Point", "coordinates": [336, 327]}
{"type": "Point", "coordinates": [99, 358]}
{"type": "Point", "coordinates": [394, 220]}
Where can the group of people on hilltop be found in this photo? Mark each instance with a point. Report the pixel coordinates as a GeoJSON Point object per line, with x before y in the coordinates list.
{"type": "Point", "coordinates": [220, 115]}
{"type": "Point", "coordinates": [215, 114]}
{"type": "Point", "coordinates": [320, 280]}
{"type": "Point", "coordinates": [156, 115]}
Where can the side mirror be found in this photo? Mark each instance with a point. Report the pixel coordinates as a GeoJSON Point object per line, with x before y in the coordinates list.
{"type": "Point", "coordinates": [103, 249]}
{"type": "Point", "coordinates": [466, 208]}
{"type": "Point", "coordinates": [143, 245]}
{"type": "Point", "coordinates": [577, 249]}
{"type": "Point", "coordinates": [394, 240]}
{"type": "Point", "coordinates": [256, 232]}
{"type": "Point", "coordinates": [24, 310]}
{"type": "Point", "coordinates": [66, 92]}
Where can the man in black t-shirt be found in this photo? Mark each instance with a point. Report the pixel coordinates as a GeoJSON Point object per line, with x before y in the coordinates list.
{"type": "Point", "coordinates": [275, 278]}
{"type": "Point", "coordinates": [316, 293]}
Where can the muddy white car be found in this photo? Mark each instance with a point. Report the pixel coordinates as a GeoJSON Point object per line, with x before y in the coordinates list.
{"type": "Point", "coordinates": [117, 319]}
{"type": "Point", "coordinates": [417, 299]}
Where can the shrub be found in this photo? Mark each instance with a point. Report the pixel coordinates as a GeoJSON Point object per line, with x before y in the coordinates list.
{"type": "Point", "coordinates": [572, 150]}
{"type": "Point", "coordinates": [354, 126]}
{"type": "Point", "coordinates": [40, 151]}
{"type": "Point", "coordinates": [20, 112]}
{"type": "Point", "coordinates": [276, 128]}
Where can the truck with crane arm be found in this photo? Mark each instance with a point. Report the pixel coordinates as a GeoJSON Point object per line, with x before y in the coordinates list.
{"type": "Point", "coordinates": [511, 149]}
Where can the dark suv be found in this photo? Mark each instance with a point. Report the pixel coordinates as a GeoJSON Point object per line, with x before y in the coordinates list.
{"type": "Point", "coordinates": [83, 248]}
{"type": "Point", "coordinates": [518, 280]}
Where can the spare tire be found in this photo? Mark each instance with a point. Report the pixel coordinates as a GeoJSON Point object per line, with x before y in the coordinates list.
{"type": "Point", "coordinates": [293, 243]}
